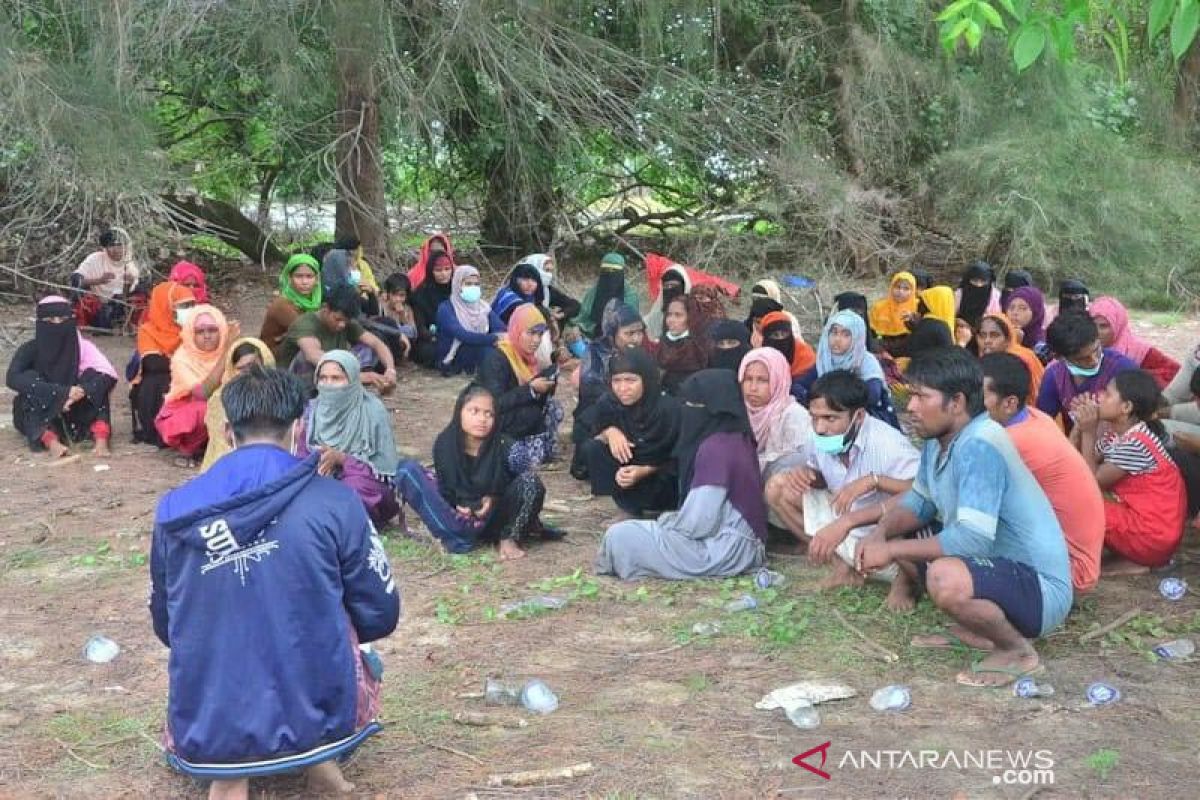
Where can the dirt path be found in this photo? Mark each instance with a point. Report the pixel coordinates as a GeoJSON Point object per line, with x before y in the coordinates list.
{"type": "Point", "coordinates": [658, 711]}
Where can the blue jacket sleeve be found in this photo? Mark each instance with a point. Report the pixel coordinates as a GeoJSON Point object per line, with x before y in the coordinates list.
{"type": "Point", "coordinates": [158, 587]}
{"type": "Point", "coordinates": [449, 327]}
{"type": "Point", "coordinates": [370, 592]}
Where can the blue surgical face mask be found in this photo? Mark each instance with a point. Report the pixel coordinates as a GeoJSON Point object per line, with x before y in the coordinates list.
{"type": "Point", "coordinates": [1080, 372]}
{"type": "Point", "coordinates": [837, 443]}
{"type": "Point", "coordinates": [578, 348]}
{"type": "Point", "coordinates": [355, 277]}
{"type": "Point", "coordinates": [471, 294]}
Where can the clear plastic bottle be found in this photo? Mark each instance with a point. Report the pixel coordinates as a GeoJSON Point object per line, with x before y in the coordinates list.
{"type": "Point", "coordinates": [744, 603]}
{"type": "Point", "coordinates": [804, 716]}
{"type": "Point", "coordinates": [765, 578]}
{"type": "Point", "coordinates": [1175, 650]}
{"type": "Point", "coordinates": [1027, 687]}
{"type": "Point", "coordinates": [100, 649]}
{"type": "Point", "coordinates": [891, 698]}
{"type": "Point", "coordinates": [499, 693]}
{"type": "Point", "coordinates": [538, 698]}
{"type": "Point", "coordinates": [706, 629]}
{"type": "Point", "coordinates": [532, 605]}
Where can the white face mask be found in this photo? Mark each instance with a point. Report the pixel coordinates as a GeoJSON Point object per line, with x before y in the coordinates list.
{"type": "Point", "coordinates": [181, 316]}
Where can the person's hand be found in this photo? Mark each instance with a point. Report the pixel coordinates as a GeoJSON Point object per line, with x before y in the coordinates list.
{"type": "Point", "coordinates": [541, 385]}
{"type": "Point", "coordinates": [331, 461]}
{"type": "Point", "coordinates": [630, 475]}
{"type": "Point", "coordinates": [557, 313]}
{"type": "Point", "coordinates": [873, 555]}
{"type": "Point", "coordinates": [910, 318]}
{"type": "Point", "coordinates": [756, 339]}
{"type": "Point", "coordinates": [74, 395]}
{"type": "Point", "coordinates": [1086, 412]}
{"type": "Point", "coordinates": [234, 332]}
{"type": "Point", "coordinates": [405, 344]}
{"type": "Point", "coordinates": [619, 445]}
{"type": "Point", "coordinates": [851, 492]}
{"type": "Point", "coordinates": [464, 511]}
{"type": "Point", "coordinates": [485, 507]}
{"type": "Point", "coordinates": [106, 276]}
{"type": "Point", "coordinates": [800, 479]}
{"type": "Point", "coordinates": [826, 540]}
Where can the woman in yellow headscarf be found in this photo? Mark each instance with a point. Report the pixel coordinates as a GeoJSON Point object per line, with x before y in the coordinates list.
{"type": "Point", "coordinates": [939, 302]}
{"type": "Point", "coordinates": [889, 317]}
{"type": "Point", "coordinates": [243, 354]}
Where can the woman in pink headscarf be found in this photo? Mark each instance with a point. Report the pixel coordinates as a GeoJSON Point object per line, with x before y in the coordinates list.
{"type": "Point", "coordinates": [191, 276]}
{"type": "Point", "coordinates": [781, 425]}
{"type": "Point", "coordinates": [1112, 320]}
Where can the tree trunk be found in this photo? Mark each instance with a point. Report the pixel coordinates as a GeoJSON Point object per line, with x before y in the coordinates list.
{"type": "Point", "coordinates": [1185, 114]}
{"type": "Point", "coordinates": [361, 201]}
{"type": "Point", "coordinates": [195, 214]}
{"type": "Point", "coordinates": [266, 186]}
{"type": "Point", "coordinates": [518, 212]}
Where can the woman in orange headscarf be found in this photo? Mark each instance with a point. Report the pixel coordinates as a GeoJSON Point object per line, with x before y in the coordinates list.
{"type": "Point", "coordinates": [525, 404]}
{"type": "Point", "coordinates": [996, 335]}
{"type": "Point", "coordinates": [197, 367]}
{"type": "Point", "coordinates": [149, 371]}
{"type": "Point", "coordinates": [779, 330]}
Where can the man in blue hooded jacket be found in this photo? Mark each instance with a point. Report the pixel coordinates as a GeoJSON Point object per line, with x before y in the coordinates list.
{"type": "Point", "coordinates": [266, 578]}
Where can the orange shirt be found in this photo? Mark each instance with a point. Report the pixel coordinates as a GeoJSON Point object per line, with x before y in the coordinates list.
{"type": "Point", "coordinates": [1071, 488]}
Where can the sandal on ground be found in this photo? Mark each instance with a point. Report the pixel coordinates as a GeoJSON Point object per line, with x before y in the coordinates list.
{"type": "Point", "coordinates": [1013, 674]}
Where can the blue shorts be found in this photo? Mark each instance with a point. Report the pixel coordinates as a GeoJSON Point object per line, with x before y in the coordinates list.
{"type": "Point", "coordinates": [1013, 586]}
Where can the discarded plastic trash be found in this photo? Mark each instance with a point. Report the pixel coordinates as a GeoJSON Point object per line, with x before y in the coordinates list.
{"type": "Point", "coordinates": [538, 698]}
{"type": "Point", "coordinates": [532, 605]}
{"type": "Point", "coordinates": [804, 716]}
{"type": "Point", "coordinates": [498, 693]}
{"type": "Point", "coordinates": [1027, 687]}
{"type": "Point", "coordinates": [811, 692]}
{"type": "Point", "coordinates": [706, 629]}
{"type": "Point", "coordinates": [743, 603]}
{"type": "Point", "coordinates": [100, 649]}
{"type": "Point", "coordinates": [798, 281]}
{"type": "Point", "coordinates": [765, 578]}
{"type": "Point", "coordinates": [1101, 694]}
{"type": "Point", "coordinates": [101, 468]}
{"type": "Point", "coordinates": [1172, 588]}
{"type": "Point", "coordinates": [1175, 650]}
{"type": "Point", "coordinates": [891, 698]}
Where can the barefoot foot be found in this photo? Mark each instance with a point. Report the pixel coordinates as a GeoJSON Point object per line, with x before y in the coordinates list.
{"type": "Point", "coordinates": [842, 575]}
{"type": "Point", "coordinates": [101, 450]}
{"type": "Point", "coordinates": [326, 778]}
{"type": "Point", "coordinates": [901, 598]}
{"type": "Point", "coordinates": [510, 550]}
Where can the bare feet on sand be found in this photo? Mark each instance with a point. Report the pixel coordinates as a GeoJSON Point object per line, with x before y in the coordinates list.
{"type": "Point", "coordinates": [1116, 567]}
{"type": "Point", "coordinates": [842, 575]}
{"type": "Point", "coordinates": [510, 550]}
{"type": "Point", "coordinates": [901, 598]}
{"type": "Point", "coordinates": [326, 778]}
{"type": "Point", "coordinates": [101, 450]}
{"type": "Point", "coordinates": [229, 790]}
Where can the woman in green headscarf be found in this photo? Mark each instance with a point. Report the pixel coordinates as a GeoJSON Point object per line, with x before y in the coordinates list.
{"type": "Point", "coordinates": [299, 293]}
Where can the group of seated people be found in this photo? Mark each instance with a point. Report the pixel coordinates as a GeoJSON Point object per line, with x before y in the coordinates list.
{"type": "Point", "coordinates": [970, 444]}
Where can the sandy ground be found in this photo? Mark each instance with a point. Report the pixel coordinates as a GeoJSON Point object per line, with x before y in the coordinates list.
{"type": "Point", "coordinates": [657, 711]}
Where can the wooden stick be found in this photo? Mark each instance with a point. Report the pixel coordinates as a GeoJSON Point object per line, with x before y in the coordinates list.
{"type": "Point", "coordinates": [479, 720]}
{"type": "Point", "coordinates": [452, 751]}
{"type": "Point", "coordinates": [1112, 626]}
{"type": "Point", "coordinates": [78, 757]}
{"type": "Point", "coordinates": [535, 776]}
{"type": "Point", "coordinates": [662, 652]}
{"type": "Point", "coordinates": [877, 649]}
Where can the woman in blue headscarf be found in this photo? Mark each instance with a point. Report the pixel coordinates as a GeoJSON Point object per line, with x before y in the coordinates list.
{"type": "Point", "coordinates": [843, 345]}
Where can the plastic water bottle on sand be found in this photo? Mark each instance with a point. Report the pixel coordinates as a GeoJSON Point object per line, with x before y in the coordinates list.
{"type": "Point", "coordinates": [891, 698]}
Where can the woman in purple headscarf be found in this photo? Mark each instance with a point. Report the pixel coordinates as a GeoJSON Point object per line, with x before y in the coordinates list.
{"type": "Point", "coordinates": [1025, 308]}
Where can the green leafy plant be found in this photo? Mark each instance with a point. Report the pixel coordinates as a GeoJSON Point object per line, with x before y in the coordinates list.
{"type": "Point", "coordinates": [1103, 761]}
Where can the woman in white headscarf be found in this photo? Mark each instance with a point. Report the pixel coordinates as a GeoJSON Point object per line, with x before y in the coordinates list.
{"type": "Point", "coordinates": [466, 325]}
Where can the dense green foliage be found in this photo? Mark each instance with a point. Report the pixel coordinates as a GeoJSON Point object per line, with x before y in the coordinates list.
{"type": "Point", "coordinates": [1057, 136]}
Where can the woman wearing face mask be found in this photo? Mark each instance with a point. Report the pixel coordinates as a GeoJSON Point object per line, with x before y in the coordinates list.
{"type": "Point", "coordinates": [1082, 368]}
{"type": "Point", "coordinates": [62, 384]}
{"type": "Point", "coordinates": [467, 327]}
{"type": "Point", "coordinates": [352, 431]}
{"type": "Point", "coordinates": [474, 494]}
{"type": "Point", "coordinates": [977, 294]}
{"type": "Point", "coordinates": [720, 528]}
{"type": "Point", "coordinates": [427, 298]}
{"type": "Point", "coordinates": [996, 335]}
{"type": "Point", "coordinates": [675, 283]}
{"type": "Point", "coordinates": [243, 354]}
{"type": "Point", "coordinates": [149, 370]}
{"type": "Point", "coordinates": [683, 350]}
{"type": "Point", "coordinates": [1072, 295]}
{"type": "Point", "coordinates": [729, 344]}
{"type": "Point", "coordinates": [843, 345]}
{"type": "Point", "coordinates": [1112, 320]}
{"type": "Point", "coordinates": [299, 293]}
{"type": "Point", "coordinates": [562, 306]}
{"type": "Point", "coordinates": [630, 456]}
{"type": "Point", "coordinates": [781, 425]}
{"type": "Point", "coordinates": [196, 371]}
{"type": "Point", "coordinates": [528, 412]}
{"type": "Point", "coordinates": [779, 332]}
